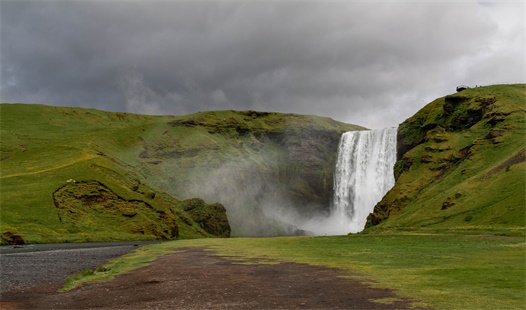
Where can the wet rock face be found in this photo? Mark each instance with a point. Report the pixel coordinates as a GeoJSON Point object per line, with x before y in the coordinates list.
{"type": "Point", "coordinates": [256, 164]}
{"type": "Point", "coordinates": [296, 174]}
{"type": "Point", "coordinates": [312, 156]}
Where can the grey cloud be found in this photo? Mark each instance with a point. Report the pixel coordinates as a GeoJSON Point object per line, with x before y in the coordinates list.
{"type": "Point", "coordinates": [373, 64]}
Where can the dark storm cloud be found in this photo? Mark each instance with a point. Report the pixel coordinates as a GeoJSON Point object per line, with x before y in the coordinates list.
{"type": "Point", "coordinates": [372, 64]}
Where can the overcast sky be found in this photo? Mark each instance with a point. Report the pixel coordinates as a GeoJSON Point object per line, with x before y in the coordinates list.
{"type": "Point", "coordinates": [368, 63]}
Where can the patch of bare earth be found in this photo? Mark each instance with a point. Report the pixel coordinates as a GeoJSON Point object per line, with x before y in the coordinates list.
{"type": "Point", "coordinates": [197, 279]}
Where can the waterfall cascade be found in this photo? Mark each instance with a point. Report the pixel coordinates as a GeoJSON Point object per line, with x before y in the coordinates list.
{"type": "Point", "coordinates": [363, 175]}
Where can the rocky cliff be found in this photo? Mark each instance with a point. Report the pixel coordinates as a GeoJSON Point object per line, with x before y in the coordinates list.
{"type": "Point", "coordinates": [267, 169]}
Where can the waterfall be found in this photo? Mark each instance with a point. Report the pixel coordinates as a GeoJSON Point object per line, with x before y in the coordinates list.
{"type": "Point", "coordinates": [363, 175]}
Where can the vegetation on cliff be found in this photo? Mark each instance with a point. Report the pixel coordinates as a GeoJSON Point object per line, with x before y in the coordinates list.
{"type": "Point", "coordinates": [263, 167]}
{"type": "Point", "coordinates": [461, 165]}
{"type": "Point", "coordinates": [73, 174]}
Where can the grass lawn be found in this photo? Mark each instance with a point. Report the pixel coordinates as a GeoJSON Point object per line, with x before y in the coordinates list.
{"type": "Point", "coordinates": [439, 271]}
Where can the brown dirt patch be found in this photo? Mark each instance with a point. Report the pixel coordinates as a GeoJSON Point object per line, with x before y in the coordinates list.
{"type": "Point", "coordinates": [197, 279]}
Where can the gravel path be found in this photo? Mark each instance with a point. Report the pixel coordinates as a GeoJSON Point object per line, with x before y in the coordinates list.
{"type": "Point", "coordinates": [21, 271]}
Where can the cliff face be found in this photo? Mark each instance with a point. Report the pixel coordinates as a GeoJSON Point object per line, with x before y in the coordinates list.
{"type": "Point", "coordinates": [460, 164]}
{"type": "Point", "coordinates": [267, 169]}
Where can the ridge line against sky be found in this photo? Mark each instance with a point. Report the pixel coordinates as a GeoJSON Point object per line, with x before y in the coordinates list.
{"type": "Point", "coordinates": [369, 63]}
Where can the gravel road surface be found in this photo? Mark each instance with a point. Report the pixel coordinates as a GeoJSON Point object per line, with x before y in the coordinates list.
{"type": "Point", "coordinates": [20, 271]}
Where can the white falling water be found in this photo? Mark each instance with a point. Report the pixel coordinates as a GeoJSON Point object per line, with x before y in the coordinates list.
{"type": "Point", "coordinates": [363, 175]}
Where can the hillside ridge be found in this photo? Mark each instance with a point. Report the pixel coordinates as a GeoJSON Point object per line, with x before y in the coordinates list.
{"type": "Point", "coordinates": [461, 165]}
{"type": "Point", "coordinates": [164, 162]}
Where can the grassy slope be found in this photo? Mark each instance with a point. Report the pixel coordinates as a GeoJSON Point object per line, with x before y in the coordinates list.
{"type": "Point", "coordinates": [438, 271]}
{"type": "Point", "coordinates": [42, 147]}
{"type": "Point", "coordinates": [467, 170]}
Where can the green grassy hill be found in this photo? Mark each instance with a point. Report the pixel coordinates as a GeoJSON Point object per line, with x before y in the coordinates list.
{"type": "Point", "coordinates": [461, 166]}
{"type": "Point", "coordinates": [73, 174]}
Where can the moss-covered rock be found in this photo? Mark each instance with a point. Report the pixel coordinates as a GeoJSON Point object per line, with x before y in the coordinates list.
{"type": "Point", "coordinates": [92, 204]}
{"type": "Point", "coordinates": [211, 218]}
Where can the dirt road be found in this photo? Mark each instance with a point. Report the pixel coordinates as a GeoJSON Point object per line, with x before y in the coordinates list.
{"type": "Point", "coordinates": [197, 279]}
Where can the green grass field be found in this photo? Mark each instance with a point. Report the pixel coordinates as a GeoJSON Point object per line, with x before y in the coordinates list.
{"type": "Point", "coordinates": [439, 271]}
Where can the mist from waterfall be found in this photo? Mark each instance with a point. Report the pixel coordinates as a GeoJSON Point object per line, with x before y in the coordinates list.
{"type": "Point", "coordinates": [363, 175]}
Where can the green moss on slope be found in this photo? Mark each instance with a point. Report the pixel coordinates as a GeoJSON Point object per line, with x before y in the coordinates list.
{"type": "Point", "coordinates": [461, 165]}
{"type": "Point", "coordinates": [86, 202]}
{"type": "Point", "coordinates": [211, 217]}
